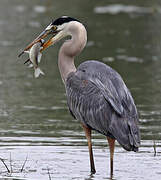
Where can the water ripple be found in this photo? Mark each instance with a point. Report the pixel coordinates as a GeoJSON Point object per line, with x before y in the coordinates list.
{"type": "Point", "coordinates": [20, 8]}
{"type": "Point", "coordinates": [40, 9]}
{"type": "Point", "coordinates": [3, 113]}
{"type": "Point", "coordinates": [129, 59]}
{"type": "Point", "coordinates": [34, 24]}
{"type": "Point", "coordinates": [6, 43]}
{"type": "Point", "coordinates": [72, 162]}
{"type": "Point", "coordinates": [44, 108]}
{"type": "Point", "coordinates": [119, 8]}
{"type": "Point", "coordinates": [108, 59]}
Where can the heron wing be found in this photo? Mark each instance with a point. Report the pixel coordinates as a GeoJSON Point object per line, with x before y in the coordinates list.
{"type": "Point", "coordinates": [111, 85]}
{"type": "Point", "coordinates": [97, 95]}
{"type": "Point", "coordinates": [110, 94]}
{"type": "Point", "coordinates": [87, 103]}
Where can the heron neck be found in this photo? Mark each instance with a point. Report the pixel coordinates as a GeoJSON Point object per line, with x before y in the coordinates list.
{"type": "Point", "coordinates": [70, 49]}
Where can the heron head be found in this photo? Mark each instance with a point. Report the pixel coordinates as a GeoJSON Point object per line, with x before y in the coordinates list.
{"type": "Point", "coordinates": [56, 30]}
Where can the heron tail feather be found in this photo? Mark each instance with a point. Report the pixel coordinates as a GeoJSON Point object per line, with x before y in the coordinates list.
{"type": "Point", "coordinates": [126, 132]}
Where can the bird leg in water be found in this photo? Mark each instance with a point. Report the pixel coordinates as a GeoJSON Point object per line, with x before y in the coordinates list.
{"type": "Point", "coordinates": [111, 143]}
{"type": "Point", "coordinates": [88, 136]}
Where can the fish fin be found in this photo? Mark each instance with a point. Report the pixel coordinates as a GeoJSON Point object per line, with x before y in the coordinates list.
{"type": "Point", "coordinates": [21, 54]}
{"type": "Point", "coordinates": [27, 52]}
{"type": "Point", "coordinates": [38, 71]}
{"type": "Point", "coordinates": [39, 57]}
{"type": "Point", "coordinates": [27, 61]}
{"type": "Point", "coordinates": [41, 47]}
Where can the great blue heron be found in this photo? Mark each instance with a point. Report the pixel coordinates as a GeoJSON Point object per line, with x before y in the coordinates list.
{"type": "Point", "coordinates": [96, 94]}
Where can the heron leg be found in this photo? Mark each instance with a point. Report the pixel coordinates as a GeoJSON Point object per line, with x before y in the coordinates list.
{"type": "Point", "coordinates": [88, 136]}
{"type": "Point", "coordinates": [111, 143]}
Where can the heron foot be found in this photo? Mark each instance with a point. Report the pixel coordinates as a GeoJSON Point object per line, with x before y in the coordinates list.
{"type": "Point", "coordinates": [93, 171]}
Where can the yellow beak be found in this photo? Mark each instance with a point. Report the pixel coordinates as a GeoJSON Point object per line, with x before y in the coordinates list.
{"type": "Point", "coordinates": [53, 40]}
{"type": "Point", "coordinates": [42, 35]}
{"type": "Point", "coordinates": [56, 36]}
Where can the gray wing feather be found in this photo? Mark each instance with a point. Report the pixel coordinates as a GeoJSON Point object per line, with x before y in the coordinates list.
{"type": "Point", "coordinates": [110, 84]}
{"type": "Point", "coordinates": [97, 96]}
{"type": "Point", "coordinates": [86, 102]}
{"type": "Point", "coordinates": [110, 94]}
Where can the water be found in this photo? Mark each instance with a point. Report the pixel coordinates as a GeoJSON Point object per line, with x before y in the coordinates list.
{"type": "Point", "coordinates": [34, 119]}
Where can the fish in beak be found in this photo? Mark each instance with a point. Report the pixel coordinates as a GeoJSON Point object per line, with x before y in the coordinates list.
{"type": "Point", "coordinates": [52, 31]}
{"type": "Point", "coordinates": [35, 48]}
{"type": "Point", "coordinates": [35, 57]}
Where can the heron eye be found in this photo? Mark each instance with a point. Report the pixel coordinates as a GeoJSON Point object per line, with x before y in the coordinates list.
{"type": "Point", "coordinates": [54, 28]}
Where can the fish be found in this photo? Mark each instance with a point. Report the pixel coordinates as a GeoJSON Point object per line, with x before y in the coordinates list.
{"type": "Point", "coordinates": [35, 58]}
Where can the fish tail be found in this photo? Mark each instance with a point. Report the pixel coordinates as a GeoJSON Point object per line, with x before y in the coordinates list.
{"type": "Point", "coordinates": [30, 65]}
{"type": "Point", "coordinates": [38, 71]}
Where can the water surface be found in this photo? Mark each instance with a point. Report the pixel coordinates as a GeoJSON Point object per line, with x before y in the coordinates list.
{"type": "Point", "coordinates": [34, 119]}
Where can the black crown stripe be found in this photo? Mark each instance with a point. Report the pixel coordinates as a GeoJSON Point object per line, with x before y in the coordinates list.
{"type": "Point", "coordinates": [63, 20]}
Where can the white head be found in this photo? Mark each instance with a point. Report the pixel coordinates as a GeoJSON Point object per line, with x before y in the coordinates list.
{"type": "Point", "coordinates": [67, 26]}
{"type": "Point", "coordinates": [58, 29]}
